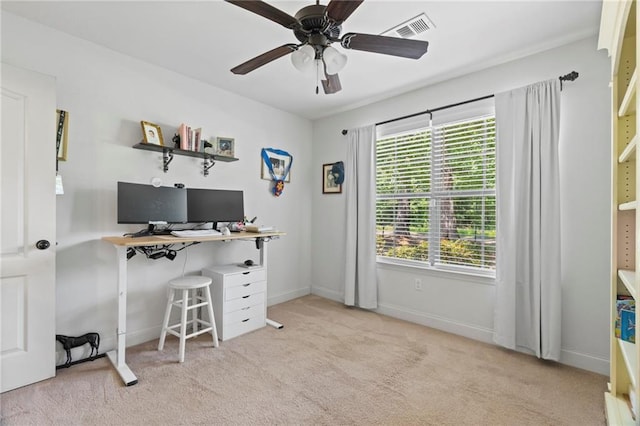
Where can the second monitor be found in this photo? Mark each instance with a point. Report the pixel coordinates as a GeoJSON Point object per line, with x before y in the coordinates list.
{"type": "Point", "coordinates": [214, 205]}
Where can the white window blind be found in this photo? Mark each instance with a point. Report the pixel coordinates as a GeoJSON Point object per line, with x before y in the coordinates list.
{"type": "Point", "coordinates": [436, 195]}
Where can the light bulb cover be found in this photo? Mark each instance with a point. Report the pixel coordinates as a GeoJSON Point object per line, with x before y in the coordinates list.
{"type": "Point", "coordinates": [334, 60]}
{"type": "Point", "coordinates": [304, 58]}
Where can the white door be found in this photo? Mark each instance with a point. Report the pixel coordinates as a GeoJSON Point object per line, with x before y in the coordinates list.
{"type": "Point", "coordinates": [27, 216]}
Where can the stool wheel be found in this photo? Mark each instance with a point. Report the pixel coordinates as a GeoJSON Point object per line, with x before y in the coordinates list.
{"type": "Point", "coordinates": [194, 284]}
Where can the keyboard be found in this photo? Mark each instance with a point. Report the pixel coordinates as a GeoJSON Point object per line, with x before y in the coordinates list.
{"type": "Point", "coordinates": [195, 233]}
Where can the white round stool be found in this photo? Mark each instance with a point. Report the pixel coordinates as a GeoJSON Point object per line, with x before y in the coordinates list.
{"type": "Point", "coordinates": [186, 284]}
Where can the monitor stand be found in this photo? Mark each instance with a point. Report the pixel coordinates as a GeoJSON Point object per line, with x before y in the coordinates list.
{"type": "Point", "coordinates": [202, 225]}
{"type": "Point", "coordinates": [145, 232]}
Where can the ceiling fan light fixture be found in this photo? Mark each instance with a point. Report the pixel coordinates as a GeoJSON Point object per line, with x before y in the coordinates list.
{"type": "Point", "coordinates": [304, 59]}
{"type": "Point", "coordinates": [316, 27]}
{"type": "Point", "coordinates": [334, 60]}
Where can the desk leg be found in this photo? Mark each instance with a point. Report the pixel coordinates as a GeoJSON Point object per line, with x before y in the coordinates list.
{"type": "Point", "coordinates": [117, 356]}
{"type": "Point", "coordinates": [263, 262]}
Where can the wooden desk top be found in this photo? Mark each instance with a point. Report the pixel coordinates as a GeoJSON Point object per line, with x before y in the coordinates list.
{"type": "Point", "coordinates": [170, 239]}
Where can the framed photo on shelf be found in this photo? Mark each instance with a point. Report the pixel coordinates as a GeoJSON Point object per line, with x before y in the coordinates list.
{"type": "Point", "coordinates": [62, 136]}
{"type": "Point", "coordinates": [329, 185]}
{"type": "Point", "coordinates": [280, 163]}
{"type": "Point", "coordinates": [152, 133]}
{"type": "Point", "coordinates": [224, 147]}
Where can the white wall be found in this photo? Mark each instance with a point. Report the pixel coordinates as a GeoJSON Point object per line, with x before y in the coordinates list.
{"type": "Point", "coordinates": [107, 95]}
{"type": "Point", "coordinates": [464, 305]}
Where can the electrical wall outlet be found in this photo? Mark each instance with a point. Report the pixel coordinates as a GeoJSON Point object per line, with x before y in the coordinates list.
{"type": "Point", "coordinates": [418, 284]}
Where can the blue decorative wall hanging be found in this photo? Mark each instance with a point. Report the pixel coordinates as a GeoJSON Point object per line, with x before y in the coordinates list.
{"type": "Point", "coordinates": [278, 163]}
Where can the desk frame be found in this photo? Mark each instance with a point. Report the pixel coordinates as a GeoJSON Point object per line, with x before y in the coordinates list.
{"type": "Point", "coordinates": [121, 244]}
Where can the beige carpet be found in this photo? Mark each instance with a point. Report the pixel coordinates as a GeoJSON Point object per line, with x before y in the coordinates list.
{"type": "Point", "coordinates": [329, 365]}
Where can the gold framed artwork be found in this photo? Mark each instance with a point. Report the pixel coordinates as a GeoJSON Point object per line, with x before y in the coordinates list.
{"type": "Point", "coordinates": [329, 185]}
{"type": "Point", "coordinates": [280, 164]}
{"type": "Point", "coordinates": [62, 134]}
{"type": "Point", "coordinates": [152, 133]}
{"type": "Point", "coordinates": [225, 146]}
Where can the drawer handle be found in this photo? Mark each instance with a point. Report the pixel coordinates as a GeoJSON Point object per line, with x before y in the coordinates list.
{"type": "Point", "coordinates": [246, 285]}
{"type": "Point", "coordinates": [245, 309]}
{"type": "Point", "coordinates": [246, 320]}
{"type": "Point", "coordinates": [246, 297]}
{"type": "Point", "coordinates": [246, 273]}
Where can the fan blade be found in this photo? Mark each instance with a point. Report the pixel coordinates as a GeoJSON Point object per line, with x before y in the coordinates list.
{"type": "Point", "coordinates": [331, 84]}
{"type": "Point", "coordinates": [403, 47]}
{"type": "Point", "coordinates": [263, 59]}
{"type": "Point", "coordinates": [267, 11]}
{"type": "Point", "coordinates": [340, 10]}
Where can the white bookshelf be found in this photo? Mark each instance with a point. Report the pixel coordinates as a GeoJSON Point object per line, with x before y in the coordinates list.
{"type": "Point", "coordinates": [630, 205]}
{"type": "Point", "coordinates": [628, 278]}
{"type": "Point", "coordinates": [628, 104]}
{"type": "Point", "coordinates": [629, 153]}
{"type": "Point", "coordinates": [618, 35]}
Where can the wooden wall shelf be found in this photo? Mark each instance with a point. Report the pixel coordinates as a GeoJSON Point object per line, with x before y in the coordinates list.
{"type": "Point", "coordinates": [168, 153]}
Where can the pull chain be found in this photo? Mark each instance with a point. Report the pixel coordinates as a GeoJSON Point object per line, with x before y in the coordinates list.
{"type": "Point", "coordinates": [317, 78]}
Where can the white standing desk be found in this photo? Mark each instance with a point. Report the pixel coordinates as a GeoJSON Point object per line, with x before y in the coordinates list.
{"type": "Point", "coordinates": [117, 356]}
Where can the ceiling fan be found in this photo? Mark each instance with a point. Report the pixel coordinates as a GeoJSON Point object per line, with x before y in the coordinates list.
{"type": "Point", "coordinates": [316, 27]}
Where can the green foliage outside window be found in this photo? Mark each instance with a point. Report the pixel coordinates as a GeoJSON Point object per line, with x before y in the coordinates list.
{"type": "Point", "coordinates": [438, 185]}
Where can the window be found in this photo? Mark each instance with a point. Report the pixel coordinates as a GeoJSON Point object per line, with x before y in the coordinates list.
{"type": "Point", "coordinates": [436, 198]}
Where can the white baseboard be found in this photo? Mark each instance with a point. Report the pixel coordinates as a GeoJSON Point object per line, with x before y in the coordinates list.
{"type": "Point", "coordinates": [328, 294]}
{"type": "Point", "coordinates": [585, 362]}
{"type": "Point", "coordinates": [482, 334]}
{"type": "Point", "coordinates": [109, 343]}
{"type": "Point", "coordinates": [571, 358]}
{"type": "Point", "coordinates": [444, 324]}
{"type": "Point", "coordinates": [290, 295]}
{"type": "Point", "coordinates": [142, 336]}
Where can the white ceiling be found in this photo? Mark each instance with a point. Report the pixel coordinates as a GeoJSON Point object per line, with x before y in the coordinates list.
{"type": "Point", "coordinates": [205, 39]}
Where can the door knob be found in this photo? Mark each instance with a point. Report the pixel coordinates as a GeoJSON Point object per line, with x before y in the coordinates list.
{"type": "Point", "coordinates": [43, 245]}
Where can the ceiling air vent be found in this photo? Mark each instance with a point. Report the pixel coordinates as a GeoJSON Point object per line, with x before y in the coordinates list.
{"type": "Point", "coordinates": [411, 28]}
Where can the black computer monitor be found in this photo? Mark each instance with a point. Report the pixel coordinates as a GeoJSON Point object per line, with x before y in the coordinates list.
{"type": "Point", "coordinates": [214, 205]}
{"type": "Point", "coordinates": [138, 203]}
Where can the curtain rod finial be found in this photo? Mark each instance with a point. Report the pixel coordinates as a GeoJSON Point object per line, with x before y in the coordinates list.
{"type": "Point", "coordinates": [568, 77]}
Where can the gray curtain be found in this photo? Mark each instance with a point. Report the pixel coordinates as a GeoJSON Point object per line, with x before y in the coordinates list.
{"type": "Point", "coordinates": [528, 305]}
{"type": "Point", "coordinates": [360, 285]}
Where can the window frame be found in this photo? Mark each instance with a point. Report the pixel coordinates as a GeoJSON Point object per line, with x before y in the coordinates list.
{"type": "Point", "coordinates": [486, 275]}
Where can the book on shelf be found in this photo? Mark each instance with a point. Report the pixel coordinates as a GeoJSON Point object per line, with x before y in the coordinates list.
{"type": "Point", "coordinates": [628, 325]}
{"type": "Point", "coordinates": [190, 138]}
{"type": "Point", "coordinates": [197, 133]}
{"type": "Point", "coordinates": [182, 132]}
{"type": "Point", "coordinates": [623, 303]}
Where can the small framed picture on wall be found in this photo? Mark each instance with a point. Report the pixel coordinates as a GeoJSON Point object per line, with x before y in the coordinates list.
{"type": "Point", "coordinates": [152, 133]}
{"type": "Point", "coordinates": [329, 185]}
{"type": "Point", "coordinates": [225, 146]}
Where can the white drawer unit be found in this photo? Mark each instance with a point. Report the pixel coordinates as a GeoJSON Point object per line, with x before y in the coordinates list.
{"type": "Point", "coordinates": [239, 298]}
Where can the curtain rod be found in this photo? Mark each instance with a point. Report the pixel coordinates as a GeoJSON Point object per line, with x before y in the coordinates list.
{"type": "Point", "coordinates": [568, 77]}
